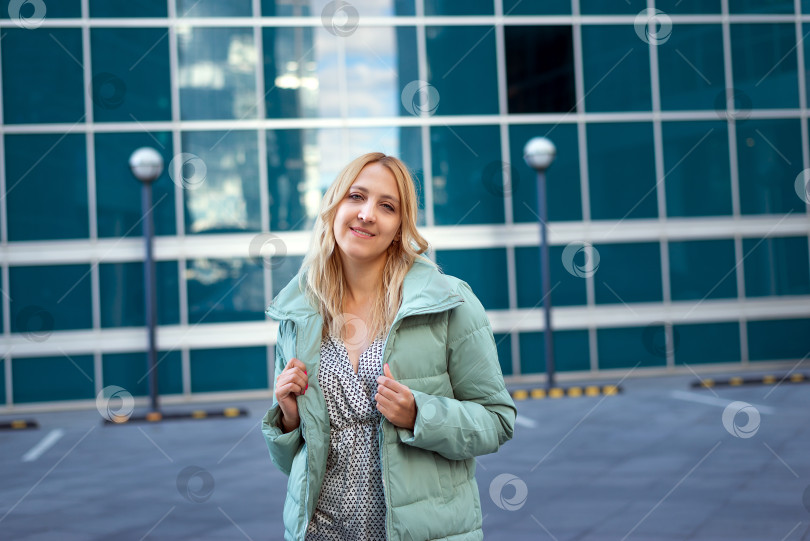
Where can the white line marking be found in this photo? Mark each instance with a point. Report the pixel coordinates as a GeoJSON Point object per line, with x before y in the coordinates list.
{"type": "Point", "coordinates": [694, 397]}
{"type": "Point", "coordinates": [525, 421]}
{"type": "Point", "coordinates": [46, 443]}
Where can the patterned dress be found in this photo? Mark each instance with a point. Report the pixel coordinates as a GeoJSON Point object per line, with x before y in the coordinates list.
{"type": "Point", "coordinates": [351, 504]}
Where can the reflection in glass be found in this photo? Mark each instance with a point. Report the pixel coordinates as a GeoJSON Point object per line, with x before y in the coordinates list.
{"type": "Point", "coordinates": [301, 164]}
{"type": "Point", "coordinates": [214, 8]}
{"type": "Point", "coordinates": [222, 190]}
{"type": "Point", "coordinates": [308, 8]}
{"type": "Point", "coordinates": [300, 77]}
{"type": "Point", "coordinates": [216, 76]}
{"type": "Point", "coordinates": [312, 73]}
{"type": "Point", "coordinates": [221, 290]}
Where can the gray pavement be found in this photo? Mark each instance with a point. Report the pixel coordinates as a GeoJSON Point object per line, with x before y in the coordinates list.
{"type": "Point", "coordinates": [655, 463]}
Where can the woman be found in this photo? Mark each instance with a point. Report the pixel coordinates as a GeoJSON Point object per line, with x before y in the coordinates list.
{"type": "Point", "coordinates": [387, 375]}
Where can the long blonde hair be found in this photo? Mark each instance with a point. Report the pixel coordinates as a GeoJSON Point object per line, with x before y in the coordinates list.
{"type": "Point", "coordinates": [323, 278]}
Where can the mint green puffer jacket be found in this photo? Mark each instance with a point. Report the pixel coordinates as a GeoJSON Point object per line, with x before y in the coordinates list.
{"type": "Point", "coordinates": [442, 347]}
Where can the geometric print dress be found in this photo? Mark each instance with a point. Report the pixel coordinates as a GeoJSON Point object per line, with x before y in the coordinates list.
{"type": "Point", "coordinates": [351, 504]}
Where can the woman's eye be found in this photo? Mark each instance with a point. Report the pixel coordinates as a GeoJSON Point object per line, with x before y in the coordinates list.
{"type": "Point", "coordinates": [389, 207]}
{"type": "Point", "coordinates": [354, 195]}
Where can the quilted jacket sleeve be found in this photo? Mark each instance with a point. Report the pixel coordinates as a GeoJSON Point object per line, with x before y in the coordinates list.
{"type": "Point", "coordinates": [283, 447]}
{"type": "Point", "coordinates": [481, 415]}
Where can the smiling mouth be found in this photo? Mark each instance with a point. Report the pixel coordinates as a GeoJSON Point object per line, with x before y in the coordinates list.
{"type": "Point", "coordinates": [361, 232]}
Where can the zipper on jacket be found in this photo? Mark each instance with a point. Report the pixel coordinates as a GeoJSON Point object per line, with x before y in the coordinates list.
{"type": "Point", "coordinates": [383, 455]}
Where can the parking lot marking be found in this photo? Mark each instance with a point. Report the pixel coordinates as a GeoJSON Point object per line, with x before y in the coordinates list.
{"type": "Point", "coordinates": [46, 443]}
{"type": "Point", "coordinates": [525, 421]}
{"type": "Point", "coordinates": [694, 397]}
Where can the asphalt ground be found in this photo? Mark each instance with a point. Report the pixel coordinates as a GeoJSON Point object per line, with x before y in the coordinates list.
{"type": "Point", "coordinates": [659, 461]}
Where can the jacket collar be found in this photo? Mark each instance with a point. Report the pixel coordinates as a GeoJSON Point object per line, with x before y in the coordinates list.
{"type": "Point", "coordinates": [424, 290]}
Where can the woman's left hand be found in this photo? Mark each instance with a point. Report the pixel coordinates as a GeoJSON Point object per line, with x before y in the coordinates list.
{"type": "Point", "coordinates": [395, 400]}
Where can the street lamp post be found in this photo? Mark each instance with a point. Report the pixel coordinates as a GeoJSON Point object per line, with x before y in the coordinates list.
{"type": "Point", "coordinates": [539, 152]}
{"type": "Point", "coordinates": [146, 165]}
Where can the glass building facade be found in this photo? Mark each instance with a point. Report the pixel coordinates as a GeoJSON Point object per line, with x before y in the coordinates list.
{"type": "Point", "coordinates": [678, 201]}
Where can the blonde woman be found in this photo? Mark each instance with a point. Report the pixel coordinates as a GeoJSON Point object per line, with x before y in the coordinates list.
{"type": "Point", "coordinates": [387, 376]}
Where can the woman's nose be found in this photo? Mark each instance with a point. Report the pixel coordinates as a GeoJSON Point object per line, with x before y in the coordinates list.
{"type": "Point", "coordinates": [367, 213]}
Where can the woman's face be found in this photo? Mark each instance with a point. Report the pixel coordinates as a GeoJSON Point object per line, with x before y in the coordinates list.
{"type": "Point", "coordinates": [368, 218]}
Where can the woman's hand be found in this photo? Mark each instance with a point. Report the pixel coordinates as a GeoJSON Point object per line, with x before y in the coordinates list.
{"type": "Point", "coordinates": [395, 400]}
{"type": "Point", "coordinates": [292, 382]}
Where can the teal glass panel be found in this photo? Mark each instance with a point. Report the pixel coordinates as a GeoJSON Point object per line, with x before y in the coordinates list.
{"type": "Point", "coordinates": [616, 66]}
{"type": "Point", "coordinates": [457, 56]}
{"type": "Point", "coordinates": [571, 352]}
{"type": "Point", "coordinates": [696, 168]}
{"type": "Point", "coordinates": [60, 294]}
{"type": "Point", "coordinates": [503, 343]}
{"type": "Point", "coordinates": [764, 64]}
{"type": "Point", "coordinates": [283, 270]}
{"type": "Point", "coordinates": [469, 7]}
{"type": "Point", "coordinates": [628, 347]}
{"type": "Point", "coordinates": [467, 171]}
{"type": "Point", "coordinates": [778, 339]}
{"type": "Point", "coordinates": [299, 174]}
{"type": "Point", "coordinates": [621, 170]}
{"type": "Point", "coordinates": [68, 378]}
{"type": "Point", "coordinates": [761, 6]}
{"type": "Point", "coordinates": [563, 188]}
{"type": "Point", "coordinates": [122, 294]}
{"type": "Point", "coordinates": [228, 369]}
{"type": "Point", "coordinates": [220, 177]}
{"type": "Point", "coordinates": [35, 95]}
{"type": "Point", "coordinates": [484, 270]}
{"type": "Point", "coordinates": [38, 207]}
{"type": "Point", "coordinates": [130, 74]}
{"type": "Point", "coordinates": [118, 193]}
{"type": "Point", "coordinates": [364, 8]}
{"type": "Point", "coordinates": [685, 7]}
{"type": "Point", "coordinates": [769, 154]}
{"type": "Point", "coordinates": [214, 8]}
{"type": "Point", "coordinates": [690, 68]}
{"type": "Point", "coordinates": [628, 273]}
{"type": "Point", "coordinates": [224, 290]}
{"type": "Point", "coordinates": [538, 82]}
{"type": "Point", "coordinates": [707, 343]}
{"type": "Point", "coordinates": [217, 73]}
{"type": "Point", "coordinates": [776, 266]}
{"type": "Point", "coordinates": [566, 289]}
{"type": "Point", "coordinates": [611, 7]}
{"type": "Point", "coordinates": [31, 15]}
{"type": "Point", "coordinates": [127, 8]}
{"type": "Point", "coordinates": [131, 371]}
{"type": "Point", "coordinates": [537, 7]}
{"type": "Point", "coordinates": [702, 269]}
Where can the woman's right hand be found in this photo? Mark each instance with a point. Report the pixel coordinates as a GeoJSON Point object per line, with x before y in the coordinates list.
{"type": "Point", "coordinates": [292, 382]}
